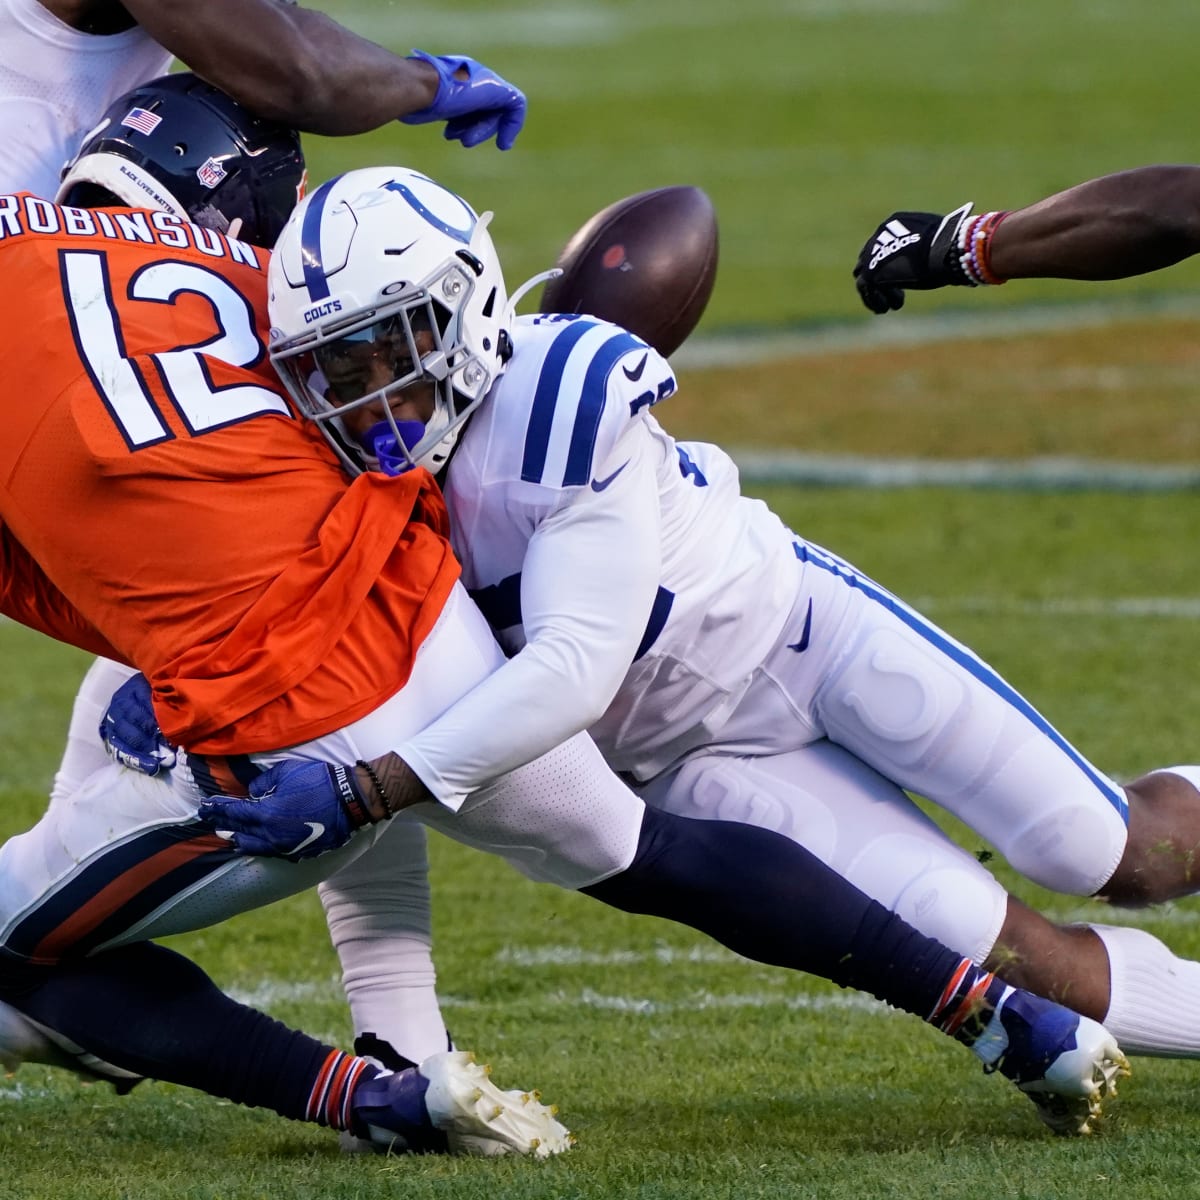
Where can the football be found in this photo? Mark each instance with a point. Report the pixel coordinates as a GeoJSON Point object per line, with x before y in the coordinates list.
{"type": "Point", "coordinates": [647, 262]}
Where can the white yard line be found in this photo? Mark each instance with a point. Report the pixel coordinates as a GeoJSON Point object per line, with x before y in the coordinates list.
{"type": "Point", "coordinates": [760, 466]}
{"type": "Point", "coordinates": [764, 467]}
{"type": "Point", "coordinates": [727, 349]}
{"type": "Point", "coordinates": [1123, 607]}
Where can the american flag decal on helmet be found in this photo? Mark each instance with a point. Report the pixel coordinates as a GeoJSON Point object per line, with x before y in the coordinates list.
{"type": "Point", "coordinates": [141, 119]}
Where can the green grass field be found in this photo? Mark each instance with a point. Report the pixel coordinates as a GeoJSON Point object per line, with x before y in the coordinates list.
{"type": "Point", "coordinates": [684, 1072]}
{"type": "Point", "coordinates": [807, 121]}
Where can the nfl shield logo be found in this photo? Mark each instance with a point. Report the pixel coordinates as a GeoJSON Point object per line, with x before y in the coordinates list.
{"type": "Point", "coordinates": [211, 173]}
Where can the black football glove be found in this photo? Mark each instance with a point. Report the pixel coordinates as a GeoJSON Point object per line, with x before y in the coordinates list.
{"type": "Point", "coordinates": [911, 250]}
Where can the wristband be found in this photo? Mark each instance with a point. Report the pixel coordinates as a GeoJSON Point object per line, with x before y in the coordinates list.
{"type": "Point", "coordinates": [383, 796]}
{"type": "Point", "coordinates": [974, 248]}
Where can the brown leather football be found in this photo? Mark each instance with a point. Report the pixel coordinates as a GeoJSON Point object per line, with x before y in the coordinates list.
{"type": "Point", "coordinates": [647, 263]}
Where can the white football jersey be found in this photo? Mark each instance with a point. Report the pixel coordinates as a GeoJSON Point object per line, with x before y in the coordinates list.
{"type": "Point", "coordinates": [634, 587]}
{"type": "Point", "coordinates": [54, 84]}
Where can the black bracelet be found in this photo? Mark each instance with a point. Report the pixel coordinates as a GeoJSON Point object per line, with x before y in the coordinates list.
{"type": "Point", "coordinates": [383, 796]}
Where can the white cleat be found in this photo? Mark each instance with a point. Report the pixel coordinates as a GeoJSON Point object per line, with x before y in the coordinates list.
{"type": "Point", "coordinates": [1068, 1065]}
{"type": "Point", "coordinates": [479, 1119]}
{"type": "Point", "coordinates": [1070, 1098]}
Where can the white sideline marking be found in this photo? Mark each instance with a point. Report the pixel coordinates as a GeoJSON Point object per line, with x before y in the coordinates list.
{"type": "Point", "coordinates": [579, 25]}
{"type": "Point", "coordinates": [701, 1001]}
{"type": "Point", "coordinates": [577, 956]}
{"type": "Point", "coordinates": [267, 992]}
{"type": "Point", "coordinates": [643, 1006]}
{"type": "Point", "coordinates": [914, 329]}
{"type": "Point", "coordinates": [1184, 607]}
{"type": "Point", "coordinates": [1103, 914]}
{"type": "Point", "coordinates": [1029, 475]}
{"type": "Point", "coordinates": [921, 329]}
{"type": "Point", "coordinates": [21, 1091]}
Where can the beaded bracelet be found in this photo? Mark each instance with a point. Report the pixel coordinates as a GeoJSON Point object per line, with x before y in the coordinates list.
{"type": "Point", "coordinates": [383, 796]}
{"type": "Point", "coordinates": [975, 248]}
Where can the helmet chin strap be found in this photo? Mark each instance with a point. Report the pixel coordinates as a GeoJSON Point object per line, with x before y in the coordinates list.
{"type": "Point", "coordinates": [380, 442]}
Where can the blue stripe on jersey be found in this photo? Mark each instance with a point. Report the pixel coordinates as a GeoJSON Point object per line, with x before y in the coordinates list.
{"type": "Point", "coordinates": [500, 603]}
{"type": "Point", "coordinates": [660, 610]}
{"type": "Point", "coordinates": [842, 570]}
{"type": "Point", "coordinates": [501, 607]}
{"type": "Point", "coordinates": [310, 243]}
{"type": "Point", "coordinates": [537, 436]}
{"type": "Point", "coordinates": [591, 406]}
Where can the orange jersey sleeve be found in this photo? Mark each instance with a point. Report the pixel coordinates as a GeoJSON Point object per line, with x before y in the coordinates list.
{"type": "Point", "coordinates": [152, 467]}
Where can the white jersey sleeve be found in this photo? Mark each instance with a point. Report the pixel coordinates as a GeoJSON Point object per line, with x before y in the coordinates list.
{"type": "Point", "coordinates": [54, 83]}
{"type": "Point", "coordinates": [554, 489]}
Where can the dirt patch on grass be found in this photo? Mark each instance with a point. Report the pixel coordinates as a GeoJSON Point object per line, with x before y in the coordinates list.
{"type": "Point", "coordinates": [1128, 392]}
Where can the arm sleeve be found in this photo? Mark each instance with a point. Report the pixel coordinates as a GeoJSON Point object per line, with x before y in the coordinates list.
{"type": "Point", "coordinates": [588, 584]}
{"type": "Point", "coordinates": [28, 597]}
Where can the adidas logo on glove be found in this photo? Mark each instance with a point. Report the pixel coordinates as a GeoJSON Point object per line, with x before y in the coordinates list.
{"type": "Point", "coordinates": [893, 237]}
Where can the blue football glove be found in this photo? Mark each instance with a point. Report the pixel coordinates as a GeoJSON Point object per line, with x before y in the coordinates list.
{"type": "Point", "coordinates": [296, 810]}
{"type": "Point", "coordinates": [130, 732]}
{"type": "Point", "coordinates": [476, 106]}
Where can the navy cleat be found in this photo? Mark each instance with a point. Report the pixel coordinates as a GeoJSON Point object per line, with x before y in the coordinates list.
{"type": "Point", "coordinates": [1066, 1064]}
{"type": "Point", "coordinates": [448, 1105]}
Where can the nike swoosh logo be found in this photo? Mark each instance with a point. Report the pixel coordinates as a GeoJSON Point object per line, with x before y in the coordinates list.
{"type": "Point", "coordinates": [802, 644]}
{"type": "Point", "coordinates": [317, 830]}
{"type": "Point", "coordinates": [636, 374]}
{"type": "Point", "coordinates": [598, 485]}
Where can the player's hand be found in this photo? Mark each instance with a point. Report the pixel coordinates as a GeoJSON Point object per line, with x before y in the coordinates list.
{"type": "Point", "coordinates": [296, 810]}
{"type": "Point", "coordinates": [910, 250]}
{"type": "Point", "coordinates": [130, 732]}
{"type": "Point", "coordinates": [473, 100]}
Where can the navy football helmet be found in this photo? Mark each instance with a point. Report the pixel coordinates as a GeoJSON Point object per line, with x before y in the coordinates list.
{"type": "Point", "coordinates": [181, 146]}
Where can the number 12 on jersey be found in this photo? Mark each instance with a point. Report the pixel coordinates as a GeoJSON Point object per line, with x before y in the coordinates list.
{"type": "Point", "coordinates": [203, 406]}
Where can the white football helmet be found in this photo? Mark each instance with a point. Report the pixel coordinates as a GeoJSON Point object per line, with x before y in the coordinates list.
{"type": "Point", "coordinates": [381, 280]}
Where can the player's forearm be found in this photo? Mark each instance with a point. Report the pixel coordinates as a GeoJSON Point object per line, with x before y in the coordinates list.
{"type": "Point", "coordinates": [293, 65]}
{"type": "Point", "coordinates": [536, 701]}
{"type": "Point", "coordinates": [1108, 228]}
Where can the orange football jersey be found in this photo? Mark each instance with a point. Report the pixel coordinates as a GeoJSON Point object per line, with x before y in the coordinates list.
{"type": "Point", "coordinates": [151, 466]}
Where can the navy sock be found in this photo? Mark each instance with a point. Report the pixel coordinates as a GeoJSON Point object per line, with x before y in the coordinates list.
{"type": "Point", "coordinates": [150, 1010]}
{"type": "Point", "coordinates": [769, 899]}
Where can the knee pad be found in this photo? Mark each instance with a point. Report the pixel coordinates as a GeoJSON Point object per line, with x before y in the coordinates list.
{"type": "Point", "coordinates": [858, 823]}
{"type": "Point", "coordinates": [938, 889]}
{"type": "Point", "coordinates": [722, 788]}
{"type": "Point", "coordinates": [1073, 848]}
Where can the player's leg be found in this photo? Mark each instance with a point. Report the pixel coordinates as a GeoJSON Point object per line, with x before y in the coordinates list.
{"type": "Point", "coordinates": [158, 1015]}
{"type": "Point", "coordinates": [378, 911]}
{"type": "Point", "coordinates": [1160, 860]}
{"type": "Point", "coordinates": [565, 819]}
{"type": "Point", "coordinates": [860, 824]}
{"type": "Point", "coordinates": [84, 751]}
{"type": "Point", "coordinates": [927, 713]}
{"type": "Point", "coordinates": [124, 859]}
{"type": "Point", "coordinates": [871, 833]}
{"type": "Point", "coordinates": [83, 754]}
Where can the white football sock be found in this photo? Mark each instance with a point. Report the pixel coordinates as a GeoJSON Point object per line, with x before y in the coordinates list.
{"type": "Point", "coordinates": [378, 912]}
{"type": "Point", "coordinates": [1154, 1007]}
{"type": "Point", "coordinates": [1191, 774]}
